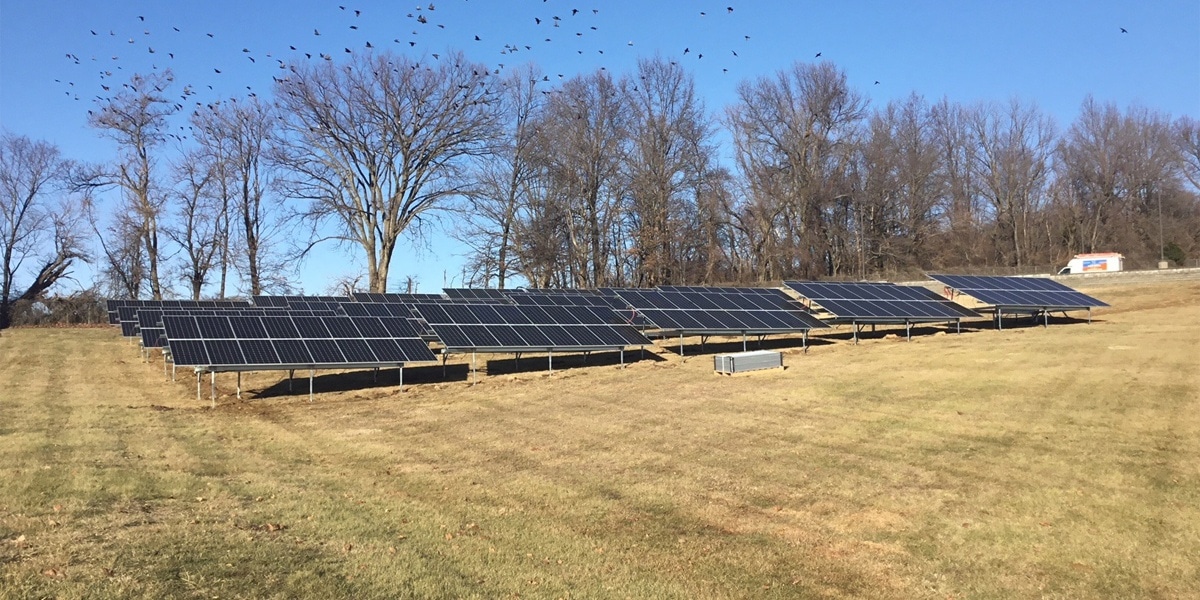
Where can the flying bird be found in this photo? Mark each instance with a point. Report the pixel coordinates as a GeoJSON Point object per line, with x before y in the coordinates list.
{"type": "Point", "coordinates": [818, 55]}
{"type": "Point", "coordinates": [1123, 30]}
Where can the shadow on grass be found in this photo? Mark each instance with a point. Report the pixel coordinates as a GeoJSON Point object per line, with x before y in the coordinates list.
{"type": "Point", "coordinates": [345, 381]}
{"type": "Point", "coordinates": [541, 362]}
{"type": "Point", "coordinates": [694, 346]}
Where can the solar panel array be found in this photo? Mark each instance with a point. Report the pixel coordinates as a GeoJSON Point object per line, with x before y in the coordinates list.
{"type": "Point", "coordinates": [485, 295]}
{"type": "Point", "coordinates": [153, 335]}
{"type": "Point", "coordinates": [719, 310]}
{"type": "Point", "coordinates": [234, 342]}
{"type": "Point", "coordinates": [113, 306]}
{"type": "Point", "coordinates": [396, 298]}
{"type": "Point", "coordinates": [527, 328]}
{"type": "Point", "coordinates": [296, 301]}
{"type": "Point", "coordinates": [1019, 292]}
{"type": "Point", "coordinates": [879, 302]}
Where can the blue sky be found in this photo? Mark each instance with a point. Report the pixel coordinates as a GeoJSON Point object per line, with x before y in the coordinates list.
{"type": "Point", "coordinates": [1050, 53]}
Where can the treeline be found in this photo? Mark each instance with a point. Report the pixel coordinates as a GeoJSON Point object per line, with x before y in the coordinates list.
{"type": "Point", "coordinates": [596, 180]}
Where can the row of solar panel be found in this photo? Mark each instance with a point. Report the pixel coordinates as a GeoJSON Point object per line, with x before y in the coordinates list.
{"type": "Point", "coordinates": [537, 337]}
{"type": "Point", "coordinates": [152, 318]}
{"type": "Point", "coordinates": [278, 353]}
{"type": "Point", "coordinates": [643, 299]}
{"type": "Point", "coordinates": [181, 327]}
{"type": "Point", "coordinates": [895, 309]}
{"type": "Point", "coordinates": [516, 314]}
{"type": "Point", "coordinates": [863, 291]}
{"type": "Point", "coordinates": [396, 298]}
{"type": "Point", "coordinates": [1019, 292]}
{"type": "Point", "coordinates": [749, 321]}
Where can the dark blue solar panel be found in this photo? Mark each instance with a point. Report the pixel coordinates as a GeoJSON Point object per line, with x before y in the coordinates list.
{"type": "Point", "coordinates": [325, 351]}
{"type": "Point", "coordinates": [356, 351]}
{"type": "Point", "coordinates": [292, 352]}
{"type": "Point", "coordinates": [224, 352]}
{"type": "Point", "coordinates": [1023, 292]}
{"type": "Point", "coordinates": [311, 327]}
{"type": "Point", "coordinates": [259, 352]}
{"type": "Point", "coordinates": [189, 353]}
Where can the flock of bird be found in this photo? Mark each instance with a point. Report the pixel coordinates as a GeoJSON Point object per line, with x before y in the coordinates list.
{"type": "Point", "coordinates": [560, 31]}
{"type": "Point", "coordinates": [557, 32]}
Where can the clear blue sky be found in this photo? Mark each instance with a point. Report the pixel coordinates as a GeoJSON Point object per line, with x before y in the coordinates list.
{"type": "Point", "coordinates": [1051, 53]}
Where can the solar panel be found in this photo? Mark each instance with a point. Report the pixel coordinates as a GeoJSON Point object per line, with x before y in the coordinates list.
{"type": "Point", "coordinates": [709, 311]}
{"type": "Point", "coordinates": [527, 328]}
{"type": "Point", "coordinates": [1019, 292]}
{"type": "Point", "coordinates": [473, 295]}
{"type": "Point", "coordinates": [865, 302]}
{"type": "Point", "coordinates": [397, 298]}
{"type": "Point", "coordinates": [235, 341]}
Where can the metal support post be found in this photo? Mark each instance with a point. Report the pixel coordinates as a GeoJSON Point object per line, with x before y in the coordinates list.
{"type": "Point", "coordinates": [958, 326]}
{"type": "Point", "coordinates": [743, 341]}
{"type": "Point", "coordinates": [214, 389]}
{"type": "Point", "coordinates": [681, 343]}
{"type": "Point", "coordinates": [401, 369]}
{"type": "Point", "coordinates": [908, 330]}
{"type": "Point", "coordinates": [197, 386]}
{"type": "Point", "coordinates": [1045, 318]}
{"type": "Point", "coordinates": [375, 375]}
{"type": "Point", "coordinates": [550, 360]}
{"type": "Point", "coordinates": [1089, 315]}
{"type": "Point", "coordinates": [291, 374]}
{"type": "Point", "coordinates": [622, 350]}
{"type": "Point", "coordinates": [804, 342]}
{"type": "Point", "coordinates": [239, 385]}
{"type": "Point", "coordinates": [311, 374]}
{"type": "Point", "coordinates": [854, 327]}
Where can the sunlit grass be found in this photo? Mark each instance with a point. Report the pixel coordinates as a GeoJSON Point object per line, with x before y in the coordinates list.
{"type": "Point", "coordinates": [1029, 462]}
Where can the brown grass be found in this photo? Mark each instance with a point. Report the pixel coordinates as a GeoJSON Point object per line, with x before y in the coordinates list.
{"type": "Point", "coordinates": [1059, 462]}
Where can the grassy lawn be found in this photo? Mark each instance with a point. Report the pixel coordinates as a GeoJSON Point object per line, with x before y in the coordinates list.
{"type": "Point", "coordinates": [1059, 462]}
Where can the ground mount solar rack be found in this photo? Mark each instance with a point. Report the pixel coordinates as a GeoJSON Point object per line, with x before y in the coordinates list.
{"type": "Point", "coordinates": [1034, 296]}
{"type": "Point", "coordinates": [861, 303]}
{"type": "Point", "coordinates": [708, 311]}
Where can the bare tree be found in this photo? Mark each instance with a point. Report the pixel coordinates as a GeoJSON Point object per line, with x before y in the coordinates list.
{"type": "Point", "coordinates": [487, 221]}
{"type": "Point", "coordinates": [136, 119]}
{"type": "Point", "coordinates": [38, 235]}
{"type": "Point", "coordinates": [794, 136]}
{"type": "Point", "coordinates": [581, 139]}
{"type": "Point", "coordinates": [1015, 145]}
{"type": "Point", "coordinates": [961, 210]}
{"type": "Point", "coordinates": [671, 150]}
{"type": "Point", "coordinates": [234, 137]}
{"type": "Point", "coordinates": [377, 142]}
{"type": "Point", "coordinates": [201, 227]}
{"type": "Point", "coordinates": [1119, 166]}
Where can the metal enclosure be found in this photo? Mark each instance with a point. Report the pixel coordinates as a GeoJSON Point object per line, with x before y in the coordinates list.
{"type": "Point", "coordinates": [740, 362]}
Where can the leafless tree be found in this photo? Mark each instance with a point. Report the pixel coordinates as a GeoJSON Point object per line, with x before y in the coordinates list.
{"type": "Point", "coordinates": [961, 238]}
{"type": "Point", "coordinates": [136, 119]}
{"type": "Point", "coordinates": [794, 137]}
{"type": "Point", "coordinates": [671, 150]}
{"type": "Point", "coordinates": [201, 225]}
{"type": "Point", "coordinates": [487, 221]}
{"type": "Point", "coordinates": [380, 140]}
{"type": "Point", "coordinates": [580, 144]}
{"type": "Point", "coordinates": [38, 220]}
{"type": "Point", "coordinates": [1014, 159]}
{"type": "Point", "coordinates": [1118, 167]}
{"type": "Point", "coordinates": [234, 137]}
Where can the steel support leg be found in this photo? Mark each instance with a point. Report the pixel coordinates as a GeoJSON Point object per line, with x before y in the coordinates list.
{"type": "Point", "coordinates": [311, 374]}
{"type": "Point", "coordinates": [681, 343]}
{"type": "Point", "coordinates": [291, 374]}
{"type": "Point", "coordinates": [197, 386]}
{"type": "Point", "coordinates": [239, 385]}
{"type": "Point", "coordinates": [214, 389]}
{"type": "Point", "coordinates": [743, 341]}
{"type": "Point", "coordinates": [854, 327]}
{"type": "Point", "coordinates": [908, 331]}
{"type": "Point", "coordinates": [550, 360]}
{"type": "Point", "coordinates": [474, 375]}
{"type": "Point", "coordinates": [804, 342]}
{"type": "Point", "coordinates": [401, 369]}
{"type": "Point", "coordinates": [622, 358]}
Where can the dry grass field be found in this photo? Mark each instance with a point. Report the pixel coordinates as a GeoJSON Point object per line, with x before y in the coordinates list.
{"type": "Point", "coordinates": [1059, 462]}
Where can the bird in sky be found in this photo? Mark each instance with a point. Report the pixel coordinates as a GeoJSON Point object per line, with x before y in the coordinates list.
{"type": "Point", "coordinates": [1123, 30]}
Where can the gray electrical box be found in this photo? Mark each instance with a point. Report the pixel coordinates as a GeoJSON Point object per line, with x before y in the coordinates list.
{"type": "Point", "coordinates": [739, 362]}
